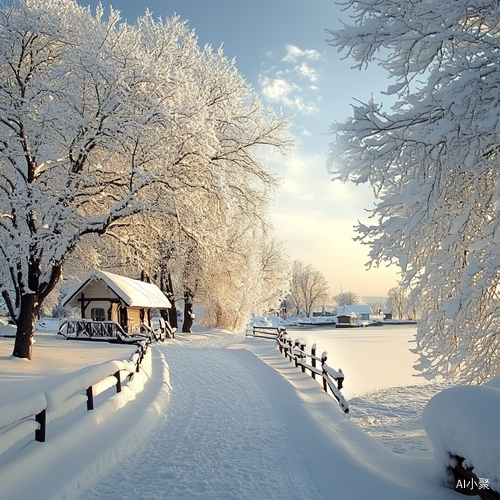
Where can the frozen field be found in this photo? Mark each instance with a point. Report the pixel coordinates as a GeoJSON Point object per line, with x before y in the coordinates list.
{"type": "Point", "coordinates": [385, 394]}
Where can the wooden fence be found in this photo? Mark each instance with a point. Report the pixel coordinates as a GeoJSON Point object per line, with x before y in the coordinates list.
{"type": "Point", "coordinates": [87, 328]}
{"type": "Point", "coordinates": [296, 351]}
{"type": "Point", "coordinates": [31, 414]}
{"type": "Point", "coordinates": [266, 332]}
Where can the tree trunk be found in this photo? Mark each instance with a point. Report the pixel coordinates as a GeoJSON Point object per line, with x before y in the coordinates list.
{"type": "Point", "coordinates": [169, 292]}
{"type": "Point", "coordinates": [29, 307]}
{"type": "Point", "coordinates": [188, 311]}
{"type": "Point", "coordinates": [26, 326]}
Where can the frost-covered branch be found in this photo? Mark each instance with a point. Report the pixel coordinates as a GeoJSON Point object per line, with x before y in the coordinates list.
{"type": "Point", "coordinates": [432, 163]}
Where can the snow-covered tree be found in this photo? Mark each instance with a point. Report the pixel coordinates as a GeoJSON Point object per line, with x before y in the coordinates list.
{"type": "Point", "coordinates": [308, 288]}
{"type": "Point", "coordinates": [100, 121]}
{"type": "Point", "coordinates": [433, 163]}
{"type": "Point", "coordinates": [397, 300]}
{"type": "Point", "coordinates": [249, 274]}
{"type": "Point", "coordinates": [347, 298]}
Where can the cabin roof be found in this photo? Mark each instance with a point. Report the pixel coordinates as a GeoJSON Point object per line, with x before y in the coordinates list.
{"type": "Point", "coordinates": [353, 310]}
{"type": "Point", "coordinates": [133, 293]}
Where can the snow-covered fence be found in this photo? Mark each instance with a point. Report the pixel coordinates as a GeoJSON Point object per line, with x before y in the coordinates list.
{"type": "Point", "coordinates": [32, 413]}
{"type": "Point", "coordinates": [87, 328]}
{"type": "Point", "coordinates": [296, 351]}
{"type": "Point", "coordinates": [266, 332]}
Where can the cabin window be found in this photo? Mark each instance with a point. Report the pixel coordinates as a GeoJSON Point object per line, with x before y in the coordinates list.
{"type": "Point", "coordinates": [98, 314]}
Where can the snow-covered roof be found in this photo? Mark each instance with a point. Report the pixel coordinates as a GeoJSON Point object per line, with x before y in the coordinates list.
{"type": "Point", "coordinates": [353, 310]}
{"type": "Point", "coordinates": [133, 293]}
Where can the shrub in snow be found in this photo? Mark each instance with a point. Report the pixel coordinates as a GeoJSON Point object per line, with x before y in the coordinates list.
{"type": "Point", "coordinates": [463, 421]}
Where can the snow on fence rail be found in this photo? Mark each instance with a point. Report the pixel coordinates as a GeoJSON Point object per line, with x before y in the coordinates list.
{"type": "Point", "coordinates": [266, 332]}
{"type": "Point", "coordinates": [88, 328]}
{"type": "Point", "coordinates": [295, 350]}
{"type": "Point", "coordinates": [17, 417]}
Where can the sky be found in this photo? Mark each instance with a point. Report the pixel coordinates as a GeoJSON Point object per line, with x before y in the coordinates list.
{"type": "Point", "coordinates": [280, 47]}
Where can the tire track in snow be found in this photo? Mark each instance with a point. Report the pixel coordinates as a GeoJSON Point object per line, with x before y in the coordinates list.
{"type": "Point", "coordinates": [221, 438]}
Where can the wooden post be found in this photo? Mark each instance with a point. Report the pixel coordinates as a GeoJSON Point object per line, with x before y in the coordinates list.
{"type": "Point", "coordinates": [139, 360]}
{"type": "Point", "coordinates": [118, 382]}
{"type": "Point", "coordinates": [41, 418]}
{"type": "Point", "coordinates": [82, 306]}
{"type": "Point", "coordinates": [302, 348]}
{"type": "Point", "coordinates": [340, 381]}
{"type": "Point", "coordinates": [324, 357]}
{"type": "Point", "coordinates": [313, 360]}
{"type": "Point", "coordinates": [90, 398]}
{"type": "Point", "coordinates": [295, 345]}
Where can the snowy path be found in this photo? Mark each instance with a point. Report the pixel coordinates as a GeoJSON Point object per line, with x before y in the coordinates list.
{"type": "Point", "coordinates": [239, 422]}
{"type": "Point", "coordinates": [221, 438]}
{"type": "Point", "coordinates": [233, 429]}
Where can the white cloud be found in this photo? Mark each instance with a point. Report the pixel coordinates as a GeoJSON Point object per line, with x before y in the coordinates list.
{"type": "Point", "coordinates": [285, 92]}
{"type": "Point", "coordinates": [292, 84]}
{"type": "Point", "coordinates": [276, 89]}
{"type": "Point", "coordinates": [308, 72]}
{"type": "Point", "coordinates": [293, 53]}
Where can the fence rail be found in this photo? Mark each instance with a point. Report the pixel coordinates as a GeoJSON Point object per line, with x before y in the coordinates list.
{"type": "Point", "coordinates": [32, 414]}
{"type": "Point", "coordinates": [296, 351]}
{"type": "Point", "coordinates": [266, 332]}
{"type": "Point", "coordinates": [87, 328]}
{"type": "Point", "coordinates": [112, 331]}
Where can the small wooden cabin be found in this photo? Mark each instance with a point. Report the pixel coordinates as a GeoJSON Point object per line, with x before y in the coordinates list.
{"type": "Point", "coordinates": [346, 320]}
{"type": "Point", "coordinates": [387, 312]}
{"type": "Point", "coordinates": [353, 315]}
{"type": "Point", "coordinates": [103, 296]}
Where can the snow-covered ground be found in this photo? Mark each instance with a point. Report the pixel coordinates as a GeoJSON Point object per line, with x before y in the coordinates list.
{"type": "Point", "coordinates": [385, 395]}
{"type": "Point", "coordinates": [238, 422]}
{"type": "Point", "coordinates": [52, 360]}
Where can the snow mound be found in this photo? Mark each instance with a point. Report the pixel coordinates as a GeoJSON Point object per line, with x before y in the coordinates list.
{"type": "Point", "coordinates": [463, 421]}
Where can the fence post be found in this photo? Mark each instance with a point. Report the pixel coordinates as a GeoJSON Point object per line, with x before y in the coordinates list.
{"type": "Point", "coordinates": [295, 345]}
{"type": "Point", "coordinates": [313, 360]}
{"type": "Point", "coordinates": [324, 357]}
{"type": "Point", "coordinates": [139, 360]}
{"type": "Point", "coordinates": [118, 382]}
{"type": "Point", "coordinates": [303, 349]}
{"type": "Point", "coordinates": [340, 381]}
{"type": "Point", "coordinates": [41, 418]}
{"type": "Point", "coordinates": [290, 349]}
{"type": "Point", "coordinates": [90, 398]}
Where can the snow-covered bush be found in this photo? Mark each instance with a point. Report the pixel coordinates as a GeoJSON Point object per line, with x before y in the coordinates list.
{"type": "Point", "coordinates": [463, 422]}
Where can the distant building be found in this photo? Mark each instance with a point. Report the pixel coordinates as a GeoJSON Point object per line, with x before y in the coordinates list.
{"type": "Point", "coordinates": [387, 313]}
{"type": "Point", "coordinates": [354, 315]}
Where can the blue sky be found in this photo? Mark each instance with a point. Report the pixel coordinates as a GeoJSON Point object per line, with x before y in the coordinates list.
{"type": "Point", "coordinates": [280, 47]}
